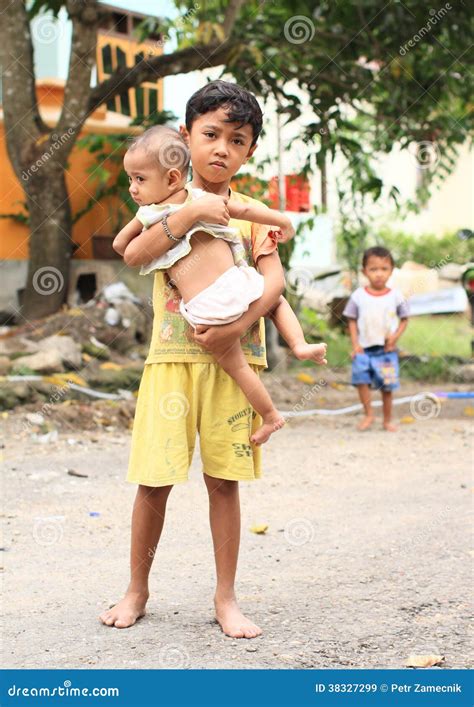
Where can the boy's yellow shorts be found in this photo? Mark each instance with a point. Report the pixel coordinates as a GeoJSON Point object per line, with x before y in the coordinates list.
{"type": "Point", "coordinates": [176, 400]}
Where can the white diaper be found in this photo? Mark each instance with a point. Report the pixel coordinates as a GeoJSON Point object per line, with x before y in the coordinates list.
{"type": "Point", "coordinates": [226, 299]}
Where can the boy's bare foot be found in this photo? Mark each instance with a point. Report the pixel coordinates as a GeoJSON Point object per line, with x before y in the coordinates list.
{"type": "Point", "coordinates": [313, 352]}
{"type": "Point", "coordinates": [233, 622]}
{"type": "Point", "coordinates": [271, 424]}
{"type": "Point", "coordinates": [389, 427]}
{"type": "Point", "coordinates": [365, 423]}
{"type": "Point", "coordinates": [127, 611]}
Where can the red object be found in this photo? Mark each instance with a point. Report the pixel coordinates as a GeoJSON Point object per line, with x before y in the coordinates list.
{"type": "Point", "coordinates": [297, 193]}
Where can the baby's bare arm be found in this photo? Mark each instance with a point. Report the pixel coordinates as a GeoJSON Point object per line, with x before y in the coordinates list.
{"type": "Point", "coordinates": [259, 213]}
{"type": "Point", "coordinates": [128, 233]}
{"type": "Point", "coordinates": [153, 242]}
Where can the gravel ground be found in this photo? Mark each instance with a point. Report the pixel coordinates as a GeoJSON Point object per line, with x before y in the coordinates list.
{"type": "Point", "coordinates": [366, 559]}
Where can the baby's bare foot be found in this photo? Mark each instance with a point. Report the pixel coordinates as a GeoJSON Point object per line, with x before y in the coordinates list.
{"type": "Point", "coordinates": [233, 622]}
{"type": "Point", "coordinates": [366, 423]}
{"type": "Point", "coordinates": [127, 611]}
{"type": "Point", "coordinates": [389, 427]}
{"type": "Point", "coordinates": [271, 424]}
{"type": "Point", "coordinates": [311, 352]}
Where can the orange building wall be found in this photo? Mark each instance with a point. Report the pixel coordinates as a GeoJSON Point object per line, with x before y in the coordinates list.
{"type": "Point", "coordinates": [13, 235]}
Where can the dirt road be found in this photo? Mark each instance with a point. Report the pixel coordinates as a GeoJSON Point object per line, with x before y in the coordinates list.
{"type": "Point", "coordinates": [366, 558]}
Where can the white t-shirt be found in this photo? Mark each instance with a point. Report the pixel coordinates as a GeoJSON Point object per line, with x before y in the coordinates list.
{"type": "Point", "coordinates": [377, 315]}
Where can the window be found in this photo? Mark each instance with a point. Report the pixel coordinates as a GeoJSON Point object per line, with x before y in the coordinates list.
{"type": "Point", "coordinates": [117, 47]}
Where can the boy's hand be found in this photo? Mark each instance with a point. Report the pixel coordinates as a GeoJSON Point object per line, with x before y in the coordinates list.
{"type": "Point", "coordinates": [218, 339]}
{"type": "Point", "coordinates": [356, 350]}
{"type": "Point", "coordinates": [212, 208]}
{"type": "Point", "coordinates": [390, 343]}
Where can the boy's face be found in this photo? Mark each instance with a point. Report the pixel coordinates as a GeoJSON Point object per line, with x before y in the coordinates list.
{"type": "Point", "coordinates": [218, 148]}
{"type": "Point", "coordinates": [148, 184]}
{"type": "Point", "coordinates": [378, 270]}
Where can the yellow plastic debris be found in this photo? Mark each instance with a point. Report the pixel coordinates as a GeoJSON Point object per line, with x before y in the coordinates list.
{"type": "Point", "coordinates": [469, 411]}
{"type": "Point", "coordinates": [74, 312]}
{"type": "Point", "coordinates": [337, 386]}
{"type": "Point", "coordinates": [407, 420]}
{"type": "Point", "coordinates": [62, 379]}
{"type": "Point", "coordinates": [259, 529]}
{"type": "Point", "coordinates": [306, 378]}
{"type": "Point", "coordinates": [110, 366]}
{"type": "Point", "coordinates": [423, 661]}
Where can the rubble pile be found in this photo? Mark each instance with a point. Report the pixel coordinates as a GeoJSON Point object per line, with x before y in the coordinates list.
{"type": "Point", "coordinates": [93, 350]}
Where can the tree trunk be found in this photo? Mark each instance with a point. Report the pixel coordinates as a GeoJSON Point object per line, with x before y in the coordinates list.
{"type": "Point", "coordinates": [50, 242]}
{"type": "Point", "coordinates": [324, 184]}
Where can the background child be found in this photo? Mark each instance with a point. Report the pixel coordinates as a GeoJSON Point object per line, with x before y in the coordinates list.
{"type": "Point", "coordinates": [208, 264]}
{"type": "Point", "coordinates": [374, 312]}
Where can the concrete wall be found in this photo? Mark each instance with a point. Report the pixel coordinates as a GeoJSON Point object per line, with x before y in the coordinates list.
{"type": "Point", "coordinates": [13, 276]}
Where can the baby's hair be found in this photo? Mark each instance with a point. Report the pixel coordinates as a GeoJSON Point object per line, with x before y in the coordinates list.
{"type": "Point", "coordinates": [241, 105]}
{"type": "Point", "coordinates": [377, 251]}
{"type": "Point", "coordinates": [166, 146]}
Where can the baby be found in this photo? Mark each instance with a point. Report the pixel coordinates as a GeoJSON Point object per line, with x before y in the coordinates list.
{"type": "Point", "coordinates": [207, 265]}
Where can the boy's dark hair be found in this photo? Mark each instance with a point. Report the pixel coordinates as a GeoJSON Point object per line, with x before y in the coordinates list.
{"type": "Point", "coordinates": [241, 105]}
{"type": "Point", "coordinates": [377, 251]}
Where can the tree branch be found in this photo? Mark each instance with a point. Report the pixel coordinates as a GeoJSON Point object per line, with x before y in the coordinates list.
{"type": "Point", "coordinates": [232, 10]}
{"type": "Point", "coordinates": [85, 16]}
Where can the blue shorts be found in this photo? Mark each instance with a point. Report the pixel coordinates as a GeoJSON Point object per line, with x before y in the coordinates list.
{"type": "Point", "coordinates": [377, 368]}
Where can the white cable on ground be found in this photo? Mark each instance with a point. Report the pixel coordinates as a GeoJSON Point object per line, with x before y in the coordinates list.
{"type": "Point", "coordinates": [351, 408]}
{"type": "Point", "coordinates": [87, 391]}
{"type": "Point", "coordinates": [126, 395]}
